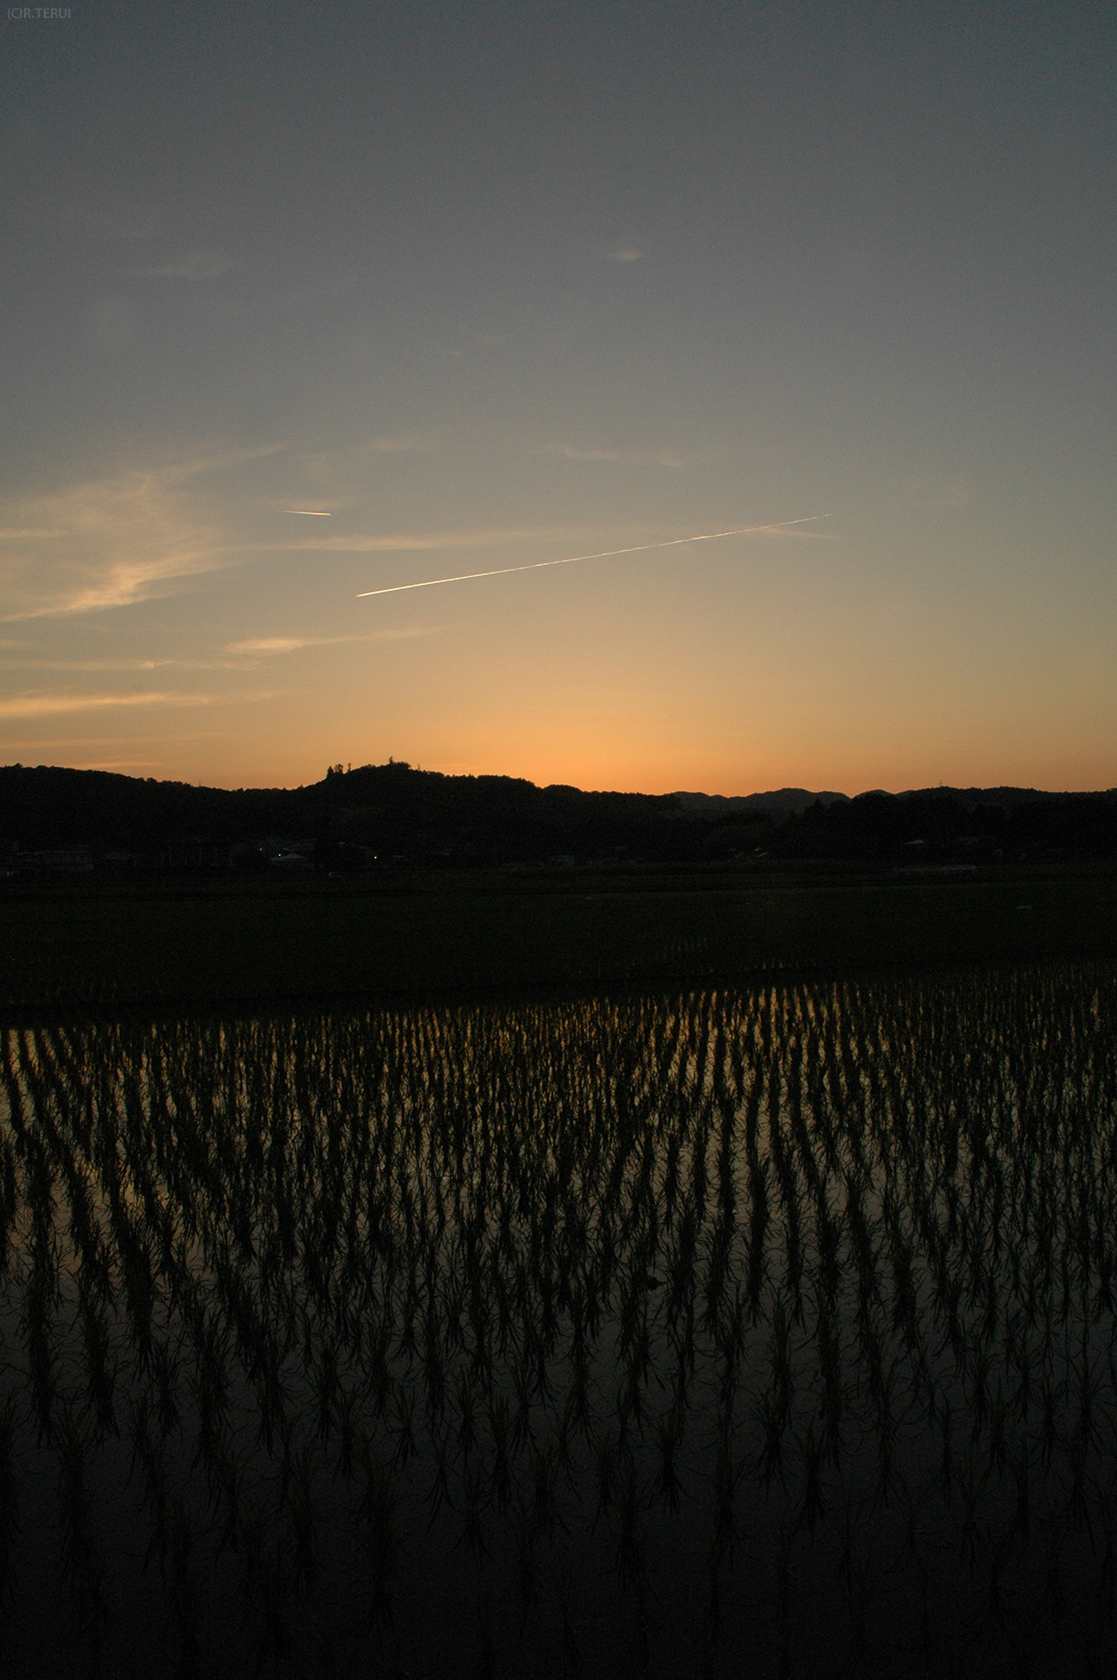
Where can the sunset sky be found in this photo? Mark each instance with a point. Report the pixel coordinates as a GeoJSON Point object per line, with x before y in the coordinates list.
{"type": "Point", "coordinates": [495, 284]}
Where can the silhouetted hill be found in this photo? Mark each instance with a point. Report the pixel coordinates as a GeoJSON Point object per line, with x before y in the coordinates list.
{"type": "Point", "coordinates": [49, 806]}
{"type": "Point", "coordinates": [392, 812]}
{"type": "Point", "coordinates": [388, 809]}
{"type": "Point", "coordinates": [942, 826]}
{"type": "Point", "coordinates": [782, 802]}
{"type": "Point", "coordinates": [1003, 796]}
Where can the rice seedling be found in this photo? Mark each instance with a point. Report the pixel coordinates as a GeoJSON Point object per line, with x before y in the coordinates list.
{"type": "Point", "coordinates": [380, 1540]}
{"type": "Point", "coordinates": [302, 1508]}
{"type": "Point", "coordinates": [9, 1509]}
{"type": "Point", "coordinates": [500, 1436]}
{"type": "Point", "coordinates": [605, 1472]}
{"type": "Point", "coordinates": [860, 1587]}
{"type": "Point", "coordinates": [100, 1363]}
{"type": "Point", "coordinates": [631, 1551]}
{"type": "Point", "coordinates": [812, 1453]}
{"type": "Point", "coordinates": [182, 1591]}
{"type": "Point", "coordinates": [785, 1613]}
{"type": "Point", "coordinates": [668, 1439]}
{"type": "Point", "coordinates": [474, 1502]}
{"type": "Point", "coordinates": [570, 1627]}
{"type": "Point", "coordinates": [83, 1570]}
{"type": "Point", "coordinates": [484, 1665]}
{"type": "Point", "coordinates": [439, 1493]}
{"type": "Point", "coordinates": [267, 1585]}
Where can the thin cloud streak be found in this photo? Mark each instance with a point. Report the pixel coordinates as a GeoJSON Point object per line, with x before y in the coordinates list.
{"type": "Point", "coordinates": [268, 644]}
{"type": "Point", "coordinates": [336, 287]}
{"type": "Point", "coordinates": [54, 742]}
{"type": "Point", "coordinates": [50, 705]}
{"type": "Point", "coordinates": [617, 457]}
{"type": "Point", "coordinates": [63, 664]}
{"type": "Point", "coordinates": [123, 764]}
{"type": "Point", "coordinates": [115, 218]}
{"type": "Point", "coordinates": [605, 554]}
{"type": "Point", "coordinates": [195, 265]}
{"type": "Point", "coordinates": [396, 443]}
{"type": "Point", "coordinates": [291, 644]}
{"type": "Point", "coordinates": [398, 542]}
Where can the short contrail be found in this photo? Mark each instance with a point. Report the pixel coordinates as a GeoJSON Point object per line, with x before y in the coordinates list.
{"type": "Point", "coordinates": [605, 554]}
{"type": "Point", "coordinates": [307, 513]}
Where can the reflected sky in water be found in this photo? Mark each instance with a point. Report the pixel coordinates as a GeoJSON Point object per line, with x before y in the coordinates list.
{"type": "Point", "coordinates": [619, 1335]}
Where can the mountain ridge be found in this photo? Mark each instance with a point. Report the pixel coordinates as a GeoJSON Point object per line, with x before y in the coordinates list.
{"type": "Point", "coordinates": [394, 812]}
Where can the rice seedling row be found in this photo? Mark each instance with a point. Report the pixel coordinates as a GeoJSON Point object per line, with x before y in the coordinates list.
{"type": "Point", "coordinates": [638, 1334]}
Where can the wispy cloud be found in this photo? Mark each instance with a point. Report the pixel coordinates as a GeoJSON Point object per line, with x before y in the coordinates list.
{"type": "Point", "coordinates": [479, 342]}
{"type": "Point", "coordinates": [116, 740]}
{"type": "Point", "coordinates": [334, 286]}
{"type": "Point", "coordinates": [617, 457]}
{"type": "Point", "coordinates": [85, 665]}
{"type": "Point", "coordinates": [399, 443]}
{"type": "Point", "coordinates": [264, 646]}
{"type": "Point", "coordinates": [624, 254]}
{"type": "Point", "coordinates": [122, 764]}
{"type": "Point", "coordinates": [114, 540]}
{"type": "Point", "coordinates": [401, 541]}
{"type": "Point", "coordinates": [271, 644]}
{"type": "Point", "coordinates": [51, 705]}
{"type": "Point", "coordinates": [938, 490]}
{"type": "Point", "coordinates": [340, 475]}
{"type": "Point", "coordinates": [194, 265]}
{"type": "Point", "coordinates": [108, 218]}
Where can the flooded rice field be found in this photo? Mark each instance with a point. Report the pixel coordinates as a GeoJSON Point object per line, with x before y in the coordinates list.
{"type": "Point", "coordinates": [768, 1330]}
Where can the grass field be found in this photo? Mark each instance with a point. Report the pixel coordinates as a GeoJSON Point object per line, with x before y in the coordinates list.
{"type": "Point", "coordinates": [92, 947]}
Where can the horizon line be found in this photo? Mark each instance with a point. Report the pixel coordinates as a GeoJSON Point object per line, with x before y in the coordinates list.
{"type": "Point", "coordinates": [404, 764]}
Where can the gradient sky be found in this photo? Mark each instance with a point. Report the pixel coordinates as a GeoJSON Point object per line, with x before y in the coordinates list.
{"type": "Point", "coordinates": [495, 284]}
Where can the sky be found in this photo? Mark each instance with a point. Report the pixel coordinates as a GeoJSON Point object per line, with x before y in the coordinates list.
{"type": "Point", "coordinates": [299, 302]}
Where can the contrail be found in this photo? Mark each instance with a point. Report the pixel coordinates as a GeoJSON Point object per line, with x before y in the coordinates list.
{"type": "Point", "coordinates": [605, 554]}
{"type": "Point", "coordinates": [307, 513]}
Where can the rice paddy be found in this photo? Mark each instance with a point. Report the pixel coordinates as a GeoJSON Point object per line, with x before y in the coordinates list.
{"type": "Point", "coordinates": [767, 1329]}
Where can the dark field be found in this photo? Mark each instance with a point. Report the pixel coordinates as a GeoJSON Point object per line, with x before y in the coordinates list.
{"type": "Point", "coordinates": [764, 1330]}
{"type": "Point", "coordinates": [429, 934]}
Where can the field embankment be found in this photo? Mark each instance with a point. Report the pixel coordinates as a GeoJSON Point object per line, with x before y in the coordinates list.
{"type": "Point", "coordinates": [92, 947]}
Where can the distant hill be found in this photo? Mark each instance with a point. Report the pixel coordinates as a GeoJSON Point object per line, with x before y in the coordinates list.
{"type": "Point", "coordinates": [781, 802]}
{"type": "Point", "coordinates": [953, 827]}
{"type": "Point", "coordinates": [387, 809]}
{"type": "Point", "coordinates": [1006, 797]}
{"type": "Point", "coordinates": [57, 819]}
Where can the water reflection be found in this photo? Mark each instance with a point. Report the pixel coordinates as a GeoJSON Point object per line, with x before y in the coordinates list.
{"type": "Point", "coordinates": [666, 1334]}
